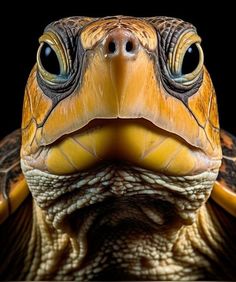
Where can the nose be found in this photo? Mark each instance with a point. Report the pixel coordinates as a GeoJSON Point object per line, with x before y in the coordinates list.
{"type": "Point", "coordinates": [121, 42]}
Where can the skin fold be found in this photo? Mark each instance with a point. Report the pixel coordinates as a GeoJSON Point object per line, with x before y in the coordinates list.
{"type": "Point", "coordinates": [120, 150]}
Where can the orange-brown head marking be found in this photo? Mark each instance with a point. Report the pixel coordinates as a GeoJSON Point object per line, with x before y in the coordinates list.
{"type": "Point", "coordinates": [120, 88]}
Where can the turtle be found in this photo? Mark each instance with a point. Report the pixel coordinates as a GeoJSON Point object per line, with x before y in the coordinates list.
{"type": "Point", "coordinates": [120, 170]}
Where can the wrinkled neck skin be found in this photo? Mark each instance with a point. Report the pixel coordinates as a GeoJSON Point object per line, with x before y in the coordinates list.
{"type": "Point", "coordinates": [125, 223]}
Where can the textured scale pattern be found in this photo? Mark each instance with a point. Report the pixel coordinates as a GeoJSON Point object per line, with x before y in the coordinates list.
{"type": "Point", "coordinates": [112, 202]}
{"type": "Point", "coordinates": [169, 30]}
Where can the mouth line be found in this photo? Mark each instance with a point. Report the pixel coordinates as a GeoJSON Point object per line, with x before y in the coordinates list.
{"type": "Point", "coordinates": [98, 123]}
{"type": "Point", "coordinates": [134, 141]}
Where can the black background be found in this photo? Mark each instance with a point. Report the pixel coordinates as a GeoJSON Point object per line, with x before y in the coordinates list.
{"type": "Point", "coordinates": [21, 26]}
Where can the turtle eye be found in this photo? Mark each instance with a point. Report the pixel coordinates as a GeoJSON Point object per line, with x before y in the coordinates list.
{"type": "Point", "coordinates": [186, 60]}
{"type": "Point", "coordinates": [52, 59]}
{"type": "Point", "coordinates": [49, 59]}
{"type": "Point", "coordinates": [190, 59]}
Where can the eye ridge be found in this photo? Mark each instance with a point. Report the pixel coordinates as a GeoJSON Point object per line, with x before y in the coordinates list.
{"type": "Point", "coordinates": [49, 59]}
{"type": "Point", "coordinates": [190, 60]}
{"type": "Point", "coordinates": [176, 79]}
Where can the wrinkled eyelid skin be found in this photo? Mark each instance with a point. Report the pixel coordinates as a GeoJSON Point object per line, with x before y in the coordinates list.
{"type": "Point", "coordinates": [185, 40]}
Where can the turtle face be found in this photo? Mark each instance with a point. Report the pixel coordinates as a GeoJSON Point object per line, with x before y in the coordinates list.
{"type": "Point", "coordinates": [120, 88]}
{"type": "Point", "coordinates": [121, 94]}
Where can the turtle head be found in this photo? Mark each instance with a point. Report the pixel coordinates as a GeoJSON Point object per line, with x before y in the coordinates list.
{"type": "Point", "coordinates": [115, 97]}
{"type": "Point", "coordinates": [120, 88]}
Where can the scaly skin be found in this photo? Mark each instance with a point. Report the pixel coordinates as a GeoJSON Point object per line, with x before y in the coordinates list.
{"type": "Point", "coordinates": [164, 239]}
{"type": "Point", "coordinates": [136, 240]}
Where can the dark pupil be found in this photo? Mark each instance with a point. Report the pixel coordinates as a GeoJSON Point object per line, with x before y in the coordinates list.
{"type": "Point", "coordinates": [191, 59]}
{"type": "Point", "coordinates": [49, 60]}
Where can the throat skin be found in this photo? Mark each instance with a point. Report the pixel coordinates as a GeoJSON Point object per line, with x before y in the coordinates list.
{"type": "Point", "coordinates": [199, 251]}
{"type": "Point", "coordinates": [127, 223]}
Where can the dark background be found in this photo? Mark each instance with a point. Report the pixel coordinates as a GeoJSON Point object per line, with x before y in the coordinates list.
{"type": "Point", "coordinates": [21, 26]}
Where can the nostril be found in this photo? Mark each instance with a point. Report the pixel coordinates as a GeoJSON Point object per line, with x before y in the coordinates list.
{"type": "Point", "coordinates": [121, 43]}
{"type": "Point", "coordinates": [112, 47]}
{"type": "Point", "coordinates": [129, 46]}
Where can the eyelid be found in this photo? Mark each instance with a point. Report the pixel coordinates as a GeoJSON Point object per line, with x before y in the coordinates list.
{"type": "Point", "coordinates": [193, 76]}
{"type": "Point", "coordinates": [185, 40]}
{"type": "Point", "coordinates": [175, 59]}
{"type": "Point", "coordinates": [58, 47]}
